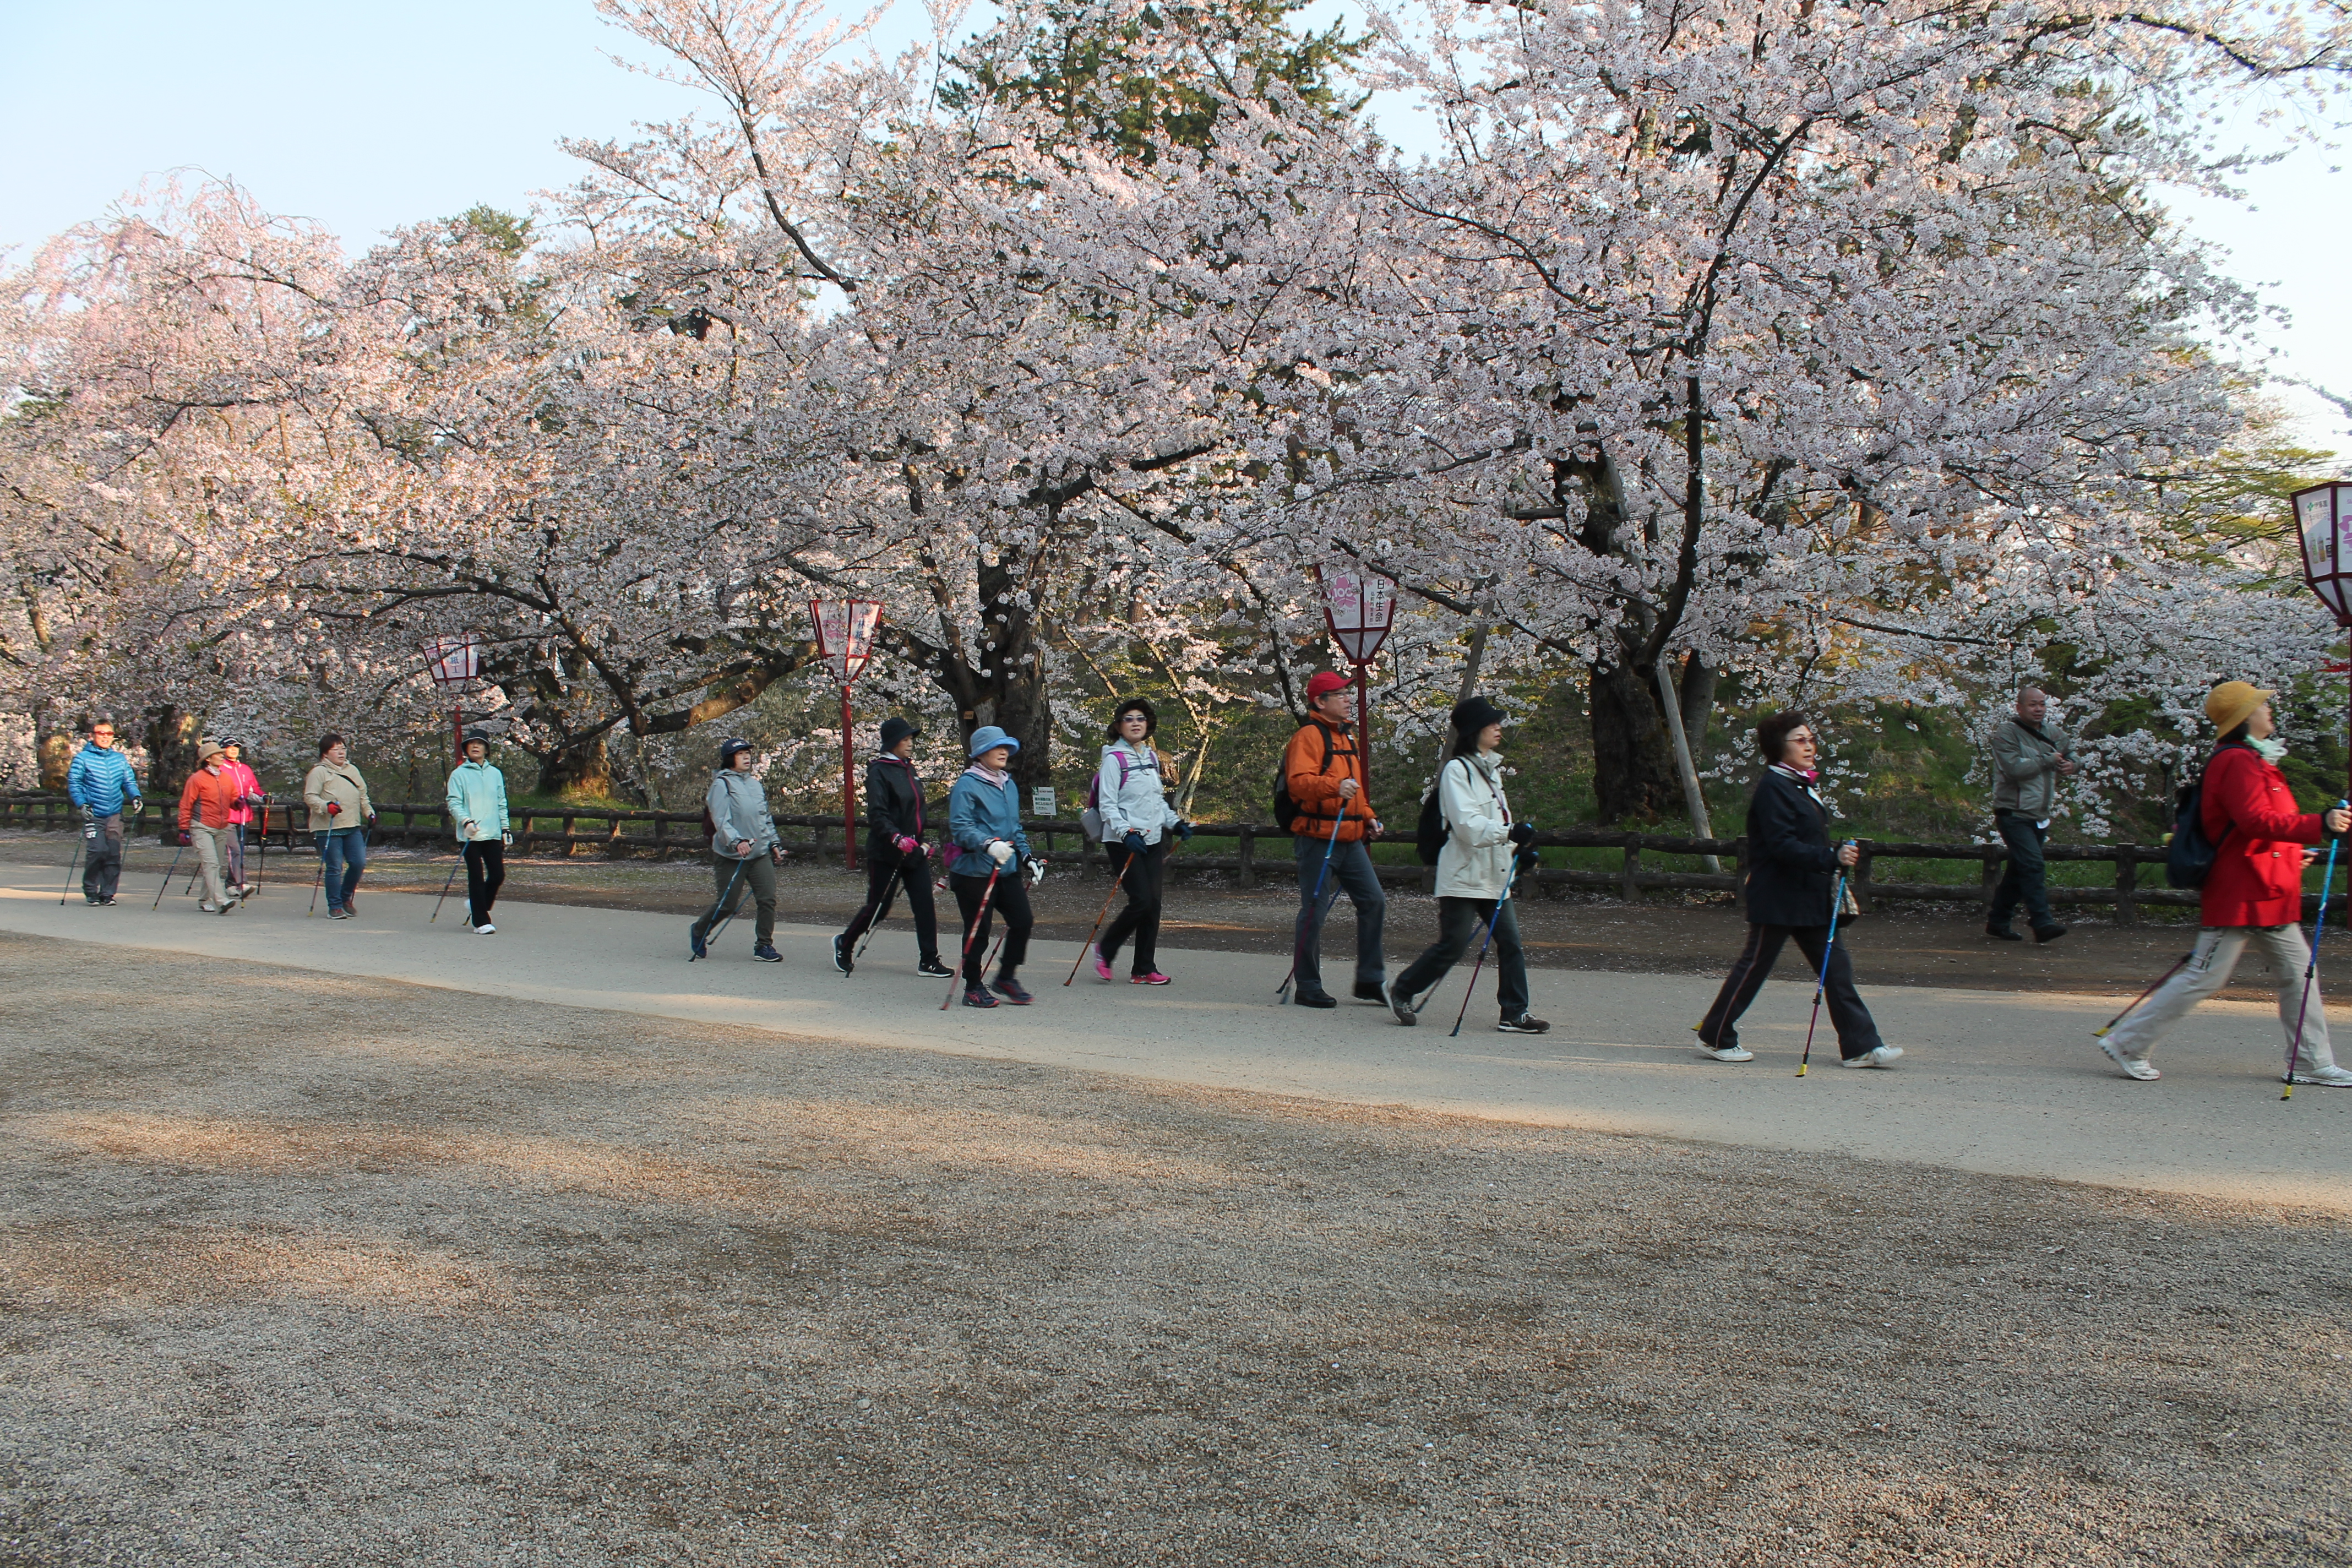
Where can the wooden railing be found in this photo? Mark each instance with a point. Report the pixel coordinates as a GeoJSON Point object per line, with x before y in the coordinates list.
{"type": "Point", "coordinates": [617, 833]}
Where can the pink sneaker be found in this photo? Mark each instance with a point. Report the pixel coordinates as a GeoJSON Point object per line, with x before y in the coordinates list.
{"type": "Point", "coordinates": [1102, 965]}
{"type": "Point", "coordinates": [1154, 978]}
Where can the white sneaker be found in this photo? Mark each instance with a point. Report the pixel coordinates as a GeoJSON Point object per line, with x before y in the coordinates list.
{"type": "Point", "coordinates": [1876, 1057]}
{"type": "Point", "coordinates": [1728, 1054]}
{"type": "Point", "coordinates": [2139, 1067]}
{"type": "Point", "coordinates": [486, 929]}
{"type": "Point", "coordinates": [2329, 1077]}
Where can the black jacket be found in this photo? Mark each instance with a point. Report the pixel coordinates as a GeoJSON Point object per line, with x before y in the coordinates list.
{"type": "Point", "coordinates": [894, 803]}
{"type": "Point", "coordinates": [1792, 865]}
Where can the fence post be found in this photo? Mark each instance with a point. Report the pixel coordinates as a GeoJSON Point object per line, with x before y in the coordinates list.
{"type": "Point", "coordinates": [1248, 840]}
{"type": "Point", "coordinates": [1859, 879]}
{"type": "Point", "coordinates": [2126, 884]}
{"type": "Point", "coordinates": [1628, 888]}
{"type": "Point", "coordinates": [1740, 873]}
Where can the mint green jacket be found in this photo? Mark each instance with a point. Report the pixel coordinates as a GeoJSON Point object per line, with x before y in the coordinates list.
{"type": "Point", "coordinates": [478, 793]}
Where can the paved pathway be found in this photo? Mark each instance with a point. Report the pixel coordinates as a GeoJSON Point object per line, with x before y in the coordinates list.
{"type": "Point", "coordinates": [1993, 1082]}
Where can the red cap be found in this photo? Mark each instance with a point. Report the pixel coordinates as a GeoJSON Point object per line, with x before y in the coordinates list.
{"type": "Point", "coordinates": [1326, 682]}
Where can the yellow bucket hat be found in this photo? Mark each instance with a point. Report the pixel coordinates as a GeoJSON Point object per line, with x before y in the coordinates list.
{"type": "Point", "coordinates": [2228, 703]}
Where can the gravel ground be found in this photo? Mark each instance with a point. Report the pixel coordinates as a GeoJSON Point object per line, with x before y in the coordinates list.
{"type": "Point", "coordinates": [313, 1271]}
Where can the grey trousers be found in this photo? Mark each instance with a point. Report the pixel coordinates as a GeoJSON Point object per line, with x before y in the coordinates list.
{"type": "Point", "coordinates": [212, 854]}
{"type": "Point", "coordinates": [2217, 953]}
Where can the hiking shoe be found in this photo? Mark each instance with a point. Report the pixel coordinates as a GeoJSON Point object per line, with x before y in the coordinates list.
{"type": "Point", "coordinates": [2048, 933]}
{"type": "Point", "coordinates": [348, 907]}
{"type": "Point", "coordinates": [765, 952]}
{"type": "Point", "coordinates": [2139, 1067]}
{"type": "Point", "coordinates": [1525, 1023]}
{"type": "Point", "coordinates": [2000, 932]}
{"type": "Point", "coordinates": [934, 968]}
{"type": "Point", "coordinates": [1372, 991]}
{"type": "Point", "coordinates": [694, 941]}
{"type": "Point", "coordinates": [1013, 991]}
{"type": "Point", "coordinates": [335, 912]}
{"type": "Point", "coordinates": [2328, 1076]}
{"type": "Point", "coordinates": [1400, 1007]}
{"type": "Point", "coordinates": [1102, 964]}
{"type": "Point", "coordinates": [1150, 977]}
{"type": "Point", "coordinates": [92, 902]}
{"type": "Point", "coordinates": [106, 902]}
{"type": "Point", "coordinates": [842, 959]}
{"type": "Point", "coordinates": [1726, 1053]}
{"type": "Point", "coordinates": [1876, 1057]}
{"type": "Point", "coordinates": [1313, 999]}
{"type": "Point", "coordinates": [977, 997]}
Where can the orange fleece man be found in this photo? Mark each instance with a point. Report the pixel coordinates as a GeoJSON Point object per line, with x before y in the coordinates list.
{"type": "Point", "coordinates": [1323, 771]}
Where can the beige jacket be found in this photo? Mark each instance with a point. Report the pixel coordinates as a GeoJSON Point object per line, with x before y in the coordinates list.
{"type": "Point", "coordinates": [329, 784]}
{"type": "Point", "coordinates": [1476, 860]}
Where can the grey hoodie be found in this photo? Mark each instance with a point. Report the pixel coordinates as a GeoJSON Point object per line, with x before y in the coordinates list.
{"type": "Point", "coordinates": [739, 805]}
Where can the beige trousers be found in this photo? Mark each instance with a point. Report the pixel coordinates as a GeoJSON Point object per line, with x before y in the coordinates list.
{"type": "Point", "coordinates": [2217, 953]}
{"type": "Point", "coordinates": [212, 854]}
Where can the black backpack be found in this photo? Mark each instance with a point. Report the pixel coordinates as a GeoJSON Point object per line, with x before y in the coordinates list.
{"type": "Point", "coordinates": [2190, 854]}
{"type": "Point", "coordinates": [1430, 835]}
{"type": "Point", "coordinates": [1286, 810]}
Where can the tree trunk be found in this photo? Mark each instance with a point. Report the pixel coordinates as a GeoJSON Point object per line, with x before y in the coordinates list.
{"type": "Point", "coordinates": [1699, 679]}
{"type": "Point", "coordinates": [171, 742]}
{"type": "Point", "coordinates": [582, 769]}
{"type": "Point", "coordinates": [1633, 759]}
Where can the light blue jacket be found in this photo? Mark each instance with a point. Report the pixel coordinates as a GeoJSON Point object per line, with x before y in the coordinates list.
{"type": "Point", "coordinates": [978, 812]}
{"type": "Point", "coordinates": [478, 793]}
{"type": "Point", "coordinates": [1131, 793]}
{"type": "Point", "coordinates": [101, 780]}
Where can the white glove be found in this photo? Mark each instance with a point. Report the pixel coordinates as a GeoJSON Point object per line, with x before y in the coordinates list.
{"type": "Point", "coordinates": [469, 829]}
{"type": "Point", "coordinates": [1001, 852]}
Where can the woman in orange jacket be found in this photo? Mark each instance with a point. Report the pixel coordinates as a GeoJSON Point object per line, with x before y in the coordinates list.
{"type": "Point", "coordinates": [2251, 895]}
{"type": "Point", "coordinates": [206, 803]}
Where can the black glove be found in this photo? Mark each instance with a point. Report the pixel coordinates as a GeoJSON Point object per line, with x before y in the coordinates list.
{"type": "Point", "coordinates": [1523, 833]}
{"type": "Point", "coordinates": [1134, 842]}
{"type": "Point", "coordinates": [1185, 831]}
{"type": "Point", "coordinates": [1526, 860]}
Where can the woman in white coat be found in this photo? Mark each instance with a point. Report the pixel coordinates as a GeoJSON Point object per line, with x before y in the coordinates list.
{"type": "Point", "coordinates": [1473, 872]}
{"type": "Point", "coordinates": [1137, 825]}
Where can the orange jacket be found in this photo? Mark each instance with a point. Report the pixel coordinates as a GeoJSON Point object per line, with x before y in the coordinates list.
{"type": "Point", "coordinates": [1315, 784]}
{"type": "Point", "coordinates": [213, 793]}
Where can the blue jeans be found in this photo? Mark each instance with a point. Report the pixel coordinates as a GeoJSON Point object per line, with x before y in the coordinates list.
{"type": "Point", "coordinates": [346, 853]}
{"type": "Point", "coordinates": [2025, 879]}
{"type": "Point", "coordinates": [1351, 872]}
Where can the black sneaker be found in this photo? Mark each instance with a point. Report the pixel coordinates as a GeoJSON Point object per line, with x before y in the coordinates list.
{"type": "Point", "coordinates": [2050, 932]}
{"type": "Point", "coordinates": [109, 901]}
{"type": "Point", "coordinates": [1525, 1023]}
{"type": "Point", "coordinates": [934, 968]}
{"type": "Point", "coordinates": [1372, 991]}
{"type": "Point", "coordinates": [693, 941]}
{"type": "Point", "coordinates": [2002, 932]}
{"type": "Point", "coordinates": [1313, 999]}
{"type": "Point", "coordinates": [977, 997]}
{"type": "Point", "coordinates": [92, 902]}
{"type": "Point", "coordinates": [765, 952]}
{"type": "Point", "coordinates": [841, 956]}
{"type": "Point", "coordinates": [1013, 991]}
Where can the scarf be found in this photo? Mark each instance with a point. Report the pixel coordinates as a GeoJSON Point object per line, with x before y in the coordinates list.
{"type": "Point", "coordinates": [1808, 777]}
{"type": "Point", "coordinates": [996, 778]}
{"type": "Point", "coordinates": [2269, 750]}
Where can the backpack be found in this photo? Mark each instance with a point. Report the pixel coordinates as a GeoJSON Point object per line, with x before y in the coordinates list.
{"type": "Point", "coordinates": [1090, 819]}
{"type": "Point", "coordinates": [1286, 810]}
{"type": "Point", "coordinates": [1430, 836]}
{"type": "Point", "coordinates": [2190, 854]}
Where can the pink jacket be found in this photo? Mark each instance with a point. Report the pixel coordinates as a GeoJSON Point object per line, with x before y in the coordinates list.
{"type": "Point", "coordinates": [243, 779]}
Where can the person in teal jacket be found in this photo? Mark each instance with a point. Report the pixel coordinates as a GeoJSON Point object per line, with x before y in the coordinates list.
{"type": "Point", "coordinates": [984, 820]}
{"type": "Point", "coordinates": [478, 810]}
{"type": "Point", "coordinates": [102, 781]}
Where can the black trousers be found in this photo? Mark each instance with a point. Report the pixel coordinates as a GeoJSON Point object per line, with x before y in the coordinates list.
{"type": "Point", "coordinates": [913, 872]}
{"type": "Point", "coordinates": [1856, 1033]}
{"type": "Point", "coordinates": [1140, 918]}
{"type": "Point", "coordinates": [1010, 899]}
{"type": "Point", "coordinates": [2026, 878]}
{"type": "Point", "coordinates": [486, 872]}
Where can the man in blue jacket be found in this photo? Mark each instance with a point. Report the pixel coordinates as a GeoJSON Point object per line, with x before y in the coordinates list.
{"type": "Point", "coordinates": [100, 782]}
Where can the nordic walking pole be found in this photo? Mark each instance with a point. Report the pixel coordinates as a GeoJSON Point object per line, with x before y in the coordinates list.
{"type": "Point", "coordinates": [316, 883]}
{"type": "Point", "coordinates": [1821, 984]}
{"type": "Point", "coordinates": [889, 902]}
{"type": "Point", "coordinates": [1299, 948]}
{"type": "Point", "coordinates": [1099, 914]}
{"type": "Point", "coordinates": [2294, 1049]}
{"type": "Point", "coordinates": [174, 871]}
{"type": "Point", "coordinates": [2101, 1033]}
{"type": "Point", "coordinates": [446, 886]}
{"type": "Point", "coordinates": [1483, 940]}
{"type": "Point", "coordinates": [971, 932]}
{"type": "Point", "coordinates": [69, 871]}
{"type": "Point", "coordinates": [713, 936]}
{"type": "Point", "coordinates": [261, 872]}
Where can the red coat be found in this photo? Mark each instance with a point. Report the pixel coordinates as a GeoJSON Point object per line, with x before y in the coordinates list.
{"type": "Point", "coordinates": [2257, 875]}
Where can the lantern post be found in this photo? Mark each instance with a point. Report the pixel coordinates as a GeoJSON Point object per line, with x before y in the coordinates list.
{"type": "Point", "coordinates": [2322, 519]}
{"type": "Point", "coordinates": [1360, 608]}
{"type": "Point", "coordinates": [845, 640]}
{"type": "Point", "coordinates": [455, 663]}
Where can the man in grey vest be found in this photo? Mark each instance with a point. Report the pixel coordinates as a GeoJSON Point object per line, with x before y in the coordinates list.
{"type": "Point", "coordinates": [2029, 758]}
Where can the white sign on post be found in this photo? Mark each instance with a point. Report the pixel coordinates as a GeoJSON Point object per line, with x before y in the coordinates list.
{"type": "Point", "coordinates": [1041, 801]}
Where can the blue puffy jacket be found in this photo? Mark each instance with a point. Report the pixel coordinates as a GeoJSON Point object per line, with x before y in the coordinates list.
{"type": "Point", "coordinates": [101, 780]}
{"type": "Point", "coordinates": [977, 811]}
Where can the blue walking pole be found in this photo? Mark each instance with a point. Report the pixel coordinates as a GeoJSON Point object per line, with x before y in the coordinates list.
{"type": "Point", "coordinates": [1821, 982]}
{"type": "Point", "coordinates": [730, 893]}
{"type": "Point", "coordinates": [1299, 948]}
{"type": "Point", "coordinates": [2294, 1049]}
{"type": "Point", "coordinates": [1483, 940]}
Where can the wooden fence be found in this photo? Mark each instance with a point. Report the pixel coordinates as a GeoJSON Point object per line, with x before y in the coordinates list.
{"type": "Point", "coordinates": [1248, 851]}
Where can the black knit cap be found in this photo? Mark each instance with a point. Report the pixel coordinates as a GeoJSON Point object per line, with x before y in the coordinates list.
{"type": "Point", "coordinates": [1474, 714]}
{"type": "Point", "coordinates": [895, 730]}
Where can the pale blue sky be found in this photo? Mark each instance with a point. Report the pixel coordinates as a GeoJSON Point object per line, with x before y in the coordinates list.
{"type": "Point", "coordinates": [366, 116]}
